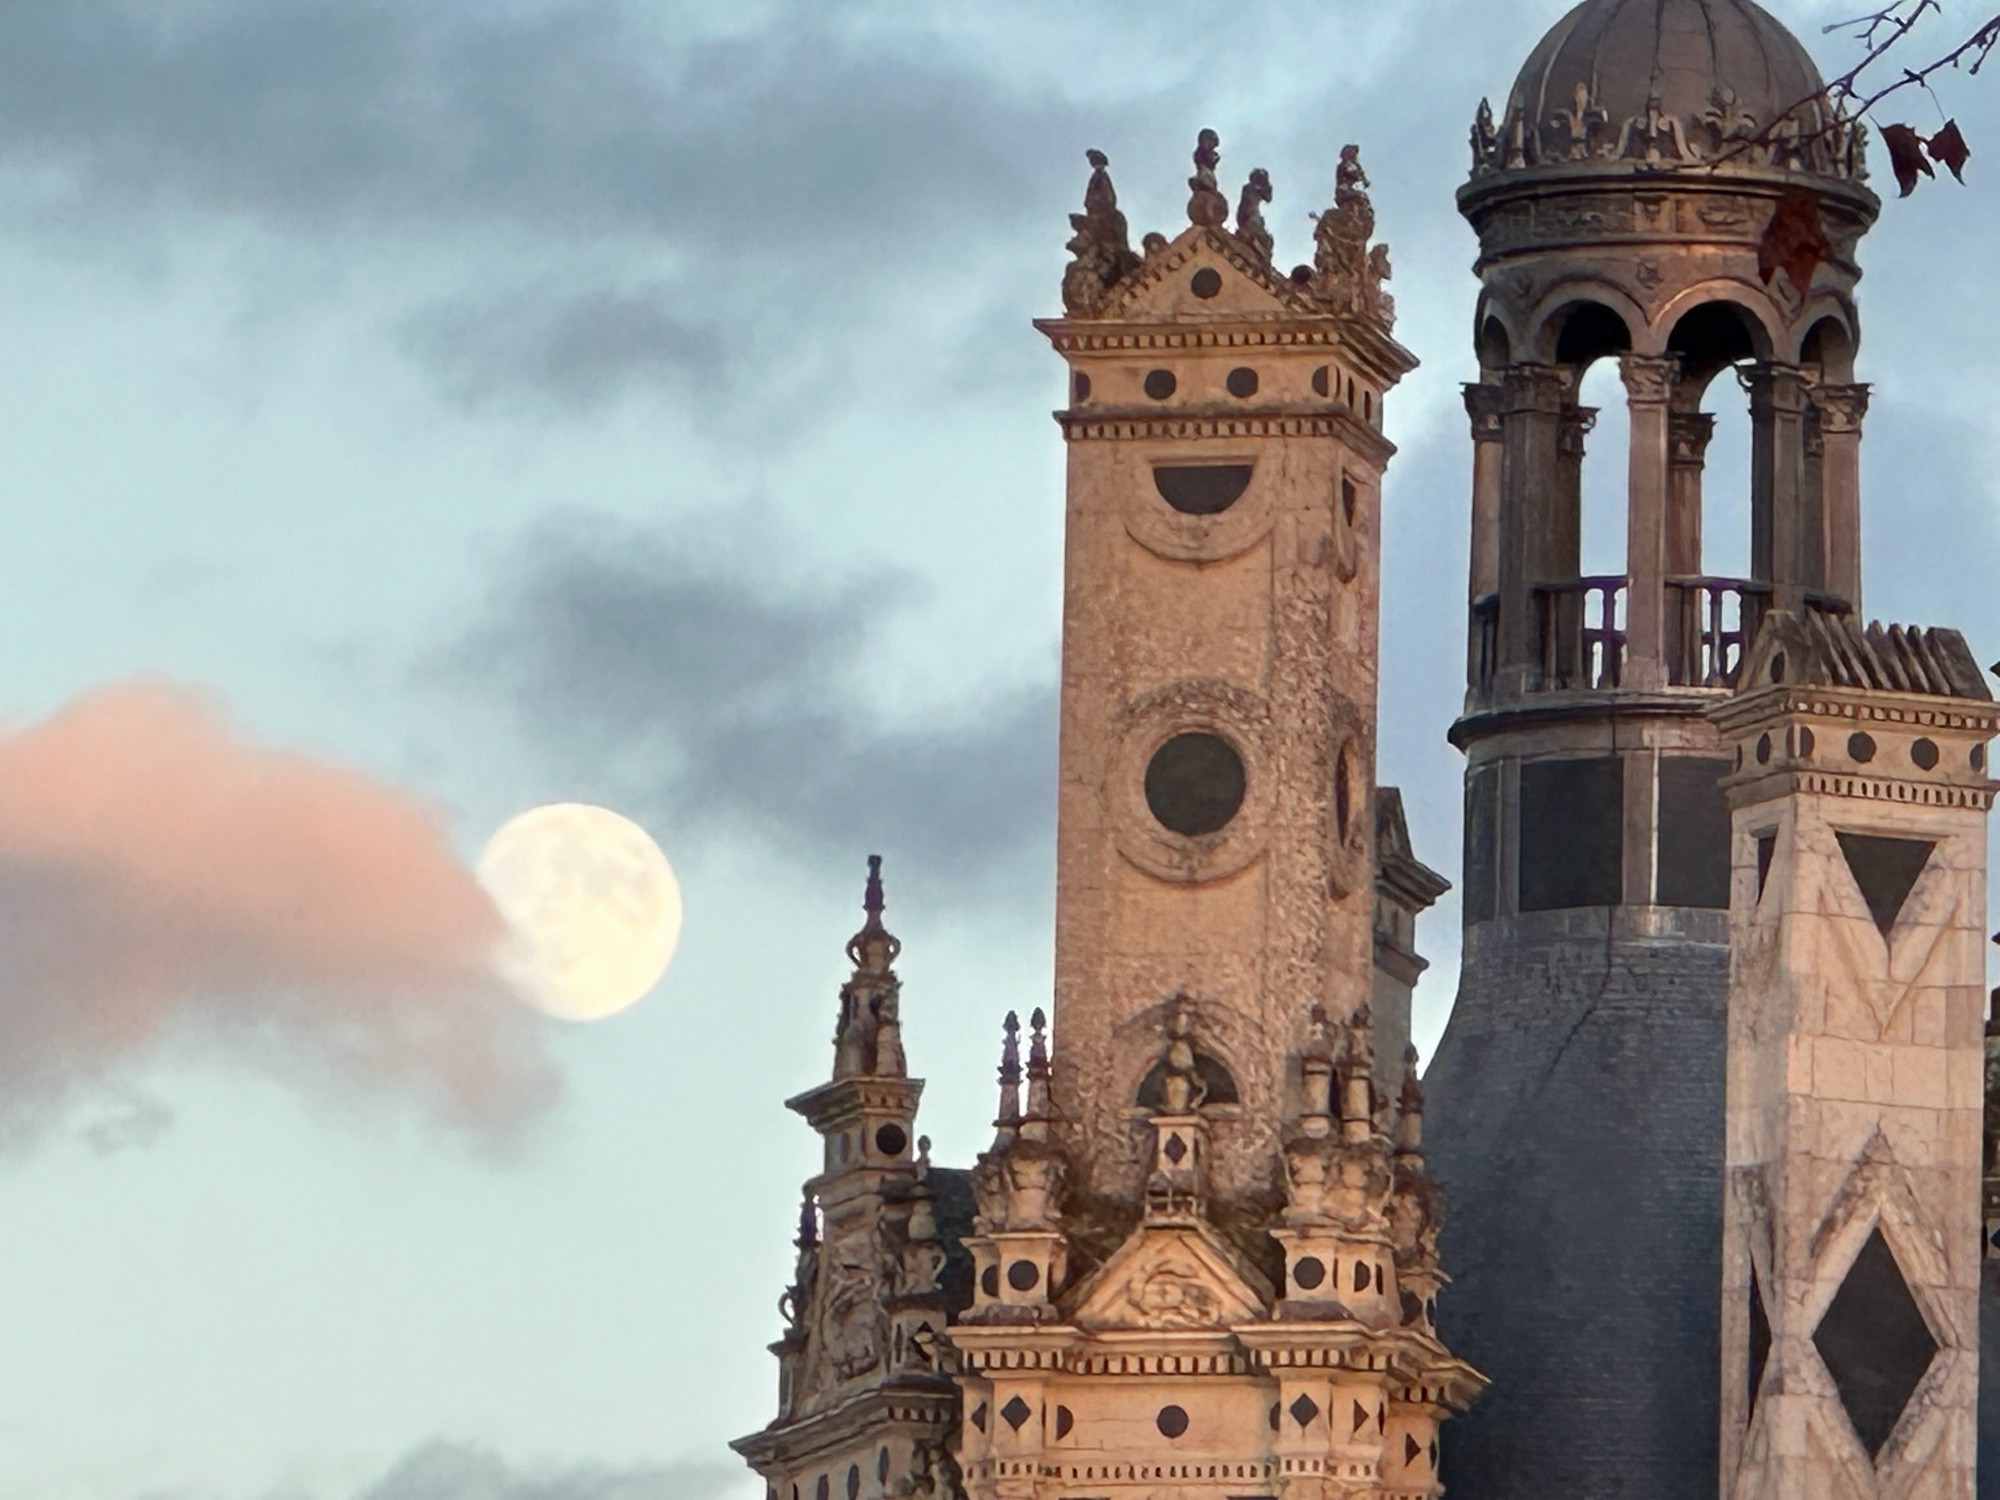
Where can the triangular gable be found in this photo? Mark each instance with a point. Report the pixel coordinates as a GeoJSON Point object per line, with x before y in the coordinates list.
{"type": "Point", "coordinates": [1169, 1277]}
{"type": "Point", "coordinates": [1166, 286]}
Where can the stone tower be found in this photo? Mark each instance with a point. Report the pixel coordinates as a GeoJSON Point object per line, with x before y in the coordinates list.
{"type": "Point", "coordinates": [1666, 188]}
{"type": "Point", "coordinates": [1852, 1235]}
{"type": "Point", "coordinates": [1205, 1247]}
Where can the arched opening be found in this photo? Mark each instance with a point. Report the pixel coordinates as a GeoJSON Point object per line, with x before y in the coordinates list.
{"type": "Point", "coordinates": [1828, 352]}
{"type": "Point", "coordinates": [1606, 472]}
{"type": "Point", "coordinates": [1711, 615]}
{"type": "Point", "coordinates": [1495, 349]}
{"type": "Point", "coordinates": [1589, 331]}
{"type": "Point", "coordinates": [1218, 1086]}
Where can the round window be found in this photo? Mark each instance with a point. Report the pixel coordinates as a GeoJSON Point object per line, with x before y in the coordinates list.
{"type": "Point", "coordinates": [1195, 783]}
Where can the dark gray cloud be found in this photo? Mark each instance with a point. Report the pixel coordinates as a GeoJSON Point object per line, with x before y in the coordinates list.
{"type": "Point", "coordinates": [578, 349]}
{"type": "Point", "coordinates": [573, 119]}
{"type": "Point", "coordinates": [722, 698]}
{"type": "Point", "coordinates": [451, 1471]}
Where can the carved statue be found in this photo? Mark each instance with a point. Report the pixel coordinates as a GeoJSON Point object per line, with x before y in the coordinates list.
{"type": "Point", "coordinates": [1250, 215]}
{"type": "Point", "coordinates": [1207, 207]}
{"type": "Point", "coordinates": [1183, 1089]}
{"type": "Point", "coordinates": [1485, 140]}
{"type": "Point", "coordinates": [1347, 276]}
{"type": "Point", "coordinates": [1101, 244]}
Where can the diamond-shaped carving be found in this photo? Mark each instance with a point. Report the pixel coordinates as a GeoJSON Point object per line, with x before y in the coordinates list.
{"type": "Point", "coordinates": [1875, 1343]}
{"type": "Point", "coordinates": [1176, 1149]}
{"type": "Point", "coordinates": [1304, 1410]}
{"type": "Point", "coordinates": [1885, 869]}
{"type": "Point", "coordinates": [1016, 1412]}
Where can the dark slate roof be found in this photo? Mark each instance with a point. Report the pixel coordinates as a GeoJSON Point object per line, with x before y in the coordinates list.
{"type": "Point", "coordinates": [1685, 50]}
{"type": "Point", "coordinates": [1824, 650]}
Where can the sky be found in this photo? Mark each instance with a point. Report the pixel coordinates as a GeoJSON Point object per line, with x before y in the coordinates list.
{"type": "Point", "coordinates": [411, 413]}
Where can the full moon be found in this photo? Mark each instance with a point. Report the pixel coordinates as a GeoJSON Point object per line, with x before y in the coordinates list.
{"type": "Point", "coordinates": [592, 904]}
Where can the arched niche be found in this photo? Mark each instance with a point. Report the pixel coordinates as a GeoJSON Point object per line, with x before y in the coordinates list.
{"type": "Point", "coordinates": [1828, 350]}
{"type": "Point", "coordinates": [1749, 302]}
{"type": "Point", "coordinates": [1496, 349]}
{"type": "Point", "coordinates": [1582, 331]}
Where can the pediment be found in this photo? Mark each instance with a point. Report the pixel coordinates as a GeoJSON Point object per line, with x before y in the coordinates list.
{"type": "Point", "coordinates": [1169, 285]}
{"type": "Point", "coordinates": [1169, 1278]}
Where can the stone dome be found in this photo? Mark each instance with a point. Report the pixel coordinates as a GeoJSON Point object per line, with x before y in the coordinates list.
{"type": "Point", "coordinates": [1719, 69]}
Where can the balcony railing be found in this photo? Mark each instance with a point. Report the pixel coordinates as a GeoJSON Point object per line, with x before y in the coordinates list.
{"type": "Point", "coordinates": [1711, 622]}
{"type": "Point", "coordinates": [1582, 644]}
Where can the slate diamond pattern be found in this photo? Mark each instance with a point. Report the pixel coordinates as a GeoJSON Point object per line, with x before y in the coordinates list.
{"type": "Point", "coordinates": [1304, 1410]}
{"type": "Point", "coordinates": [1016, 1412]}
{"type": "Point", "coordinates": [1875, 1343]}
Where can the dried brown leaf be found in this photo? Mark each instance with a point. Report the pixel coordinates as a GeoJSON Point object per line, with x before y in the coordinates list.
{"type": "Point", "coordinates": [1948, 149]}
{"type": "Point", "coordinates": [1906, 156]}
{"type": "Point", "coordinates": [1795, 241]}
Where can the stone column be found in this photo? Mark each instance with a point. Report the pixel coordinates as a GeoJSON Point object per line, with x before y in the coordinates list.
{"type": "Point", "coordinates": [1531, 414]}
{"type": "Point", "coordinates": [1649, 388]}
{"type": "Point", "coordinates": [1841, 408]}
{"type": "Point", "coordinates": [1483, 405]}
{"type": "Point", "coordinates": [1688, 435]}
{"type": "Point", "coordinates": [1779, 526]}
{"type": "Point", "coordinates": [1851, 1218]}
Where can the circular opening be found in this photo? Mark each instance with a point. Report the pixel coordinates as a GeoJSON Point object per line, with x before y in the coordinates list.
{"type": "Point", "coordinates": [1171, 1421]}
{"type": "Point", "coordinates": [1320, 381]}
{"type": "Point", "coordinates": [1024, 1275]}
{"type": "Point", "coordinates": [1195, 783]}
{"type": "Point", "coordinates": [1081, 385]}
{"type": "Point", "coordinates": [989, 1281]}
{"type": "Point", "coordinates": [1861, 746]}
{"type": "Point", "coordinates": [1309, 1272]}
{"type": "Point", "coordinates": [1205, 283]}
{"type": "Point", "coordinates": [890, 1140]}
{"type": "Point", "coordinates": [1925, 754]}
{"type": "Point", "coordinates": [1242, 382]}
{"type": "Point", "coordinates": [1763, 749]}
{"type": "Point", "coordinates": [1160, 384]}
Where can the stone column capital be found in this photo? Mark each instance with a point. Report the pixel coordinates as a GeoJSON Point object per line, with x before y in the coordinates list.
{"type": "Point", "coordinates": [1577, 423]}
{"type": "Point", "coordinates": [1649, 377]}
{"type": "Point", "coordinates": [1483, 404]}
{"type": "Point", "coordinates": [1841, 407]}
{"type": "Point", "coordinates": [1688, 434]}
{"type": "Point", "coordinates": [1774, 386]}
{"type": "Point", "coordinates": [1534, 388]}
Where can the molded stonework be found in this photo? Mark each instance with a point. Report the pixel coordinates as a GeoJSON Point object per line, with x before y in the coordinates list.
{"type": "Point", "coordinates": [1856, 1063]}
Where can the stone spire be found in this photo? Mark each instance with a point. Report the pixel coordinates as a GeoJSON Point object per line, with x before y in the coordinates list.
{"type": "Point", "coordinates": [1019, 1253]}
{"type": "Point", "coordinates": [869, 1038]}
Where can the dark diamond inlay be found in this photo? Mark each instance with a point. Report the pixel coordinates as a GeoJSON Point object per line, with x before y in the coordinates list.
{"type": "Point", "coordinates": [1760, 1338]}
{"type": "Point", "coordinates": [1875, 1343]}
{"type": "Point", "coordinates": [1885, 869]}
{"type": "Point", "coordinates": [1016, 1411]}
{"type": "Point", "coordinates": [1304, 1410]}
{"type": "Point", "coordinates": [1412, 1449]}
{"type": "Point", "coordinates": [978, 1419]}
{"type": "Point", "coordinates": [1176, 1150]}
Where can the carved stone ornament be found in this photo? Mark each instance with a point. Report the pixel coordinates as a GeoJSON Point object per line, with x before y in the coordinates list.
{"type": "Point", "coordinates": [1347, 275]}
{"type": "Point", "coordinates": [1101, 244]}
{"type": "Point", "coordinates": [1250, 226]}
{"type": "Point", "coordinates": [1174, 1296]}
{"type": "Point", "coordinates": [1206, 205]}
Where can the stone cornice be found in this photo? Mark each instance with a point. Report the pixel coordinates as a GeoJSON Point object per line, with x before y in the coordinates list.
{"type": "Point", "coordinates": [932, 1404]}
{"type": "Point", "coordinates": [1118, 423]}
{"type": "Point", "coordinates": [845, 1101]}
{"type": "Point", "coordinates": [1537, 710]}
{"type": "Point", "coordinates": [1375, 352]}
{"type": "Point", "coordinates": [1970, 716]}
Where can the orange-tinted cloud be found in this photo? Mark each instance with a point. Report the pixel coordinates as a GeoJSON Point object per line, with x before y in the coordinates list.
{"type": "Point", "coordinates": [160, 877]}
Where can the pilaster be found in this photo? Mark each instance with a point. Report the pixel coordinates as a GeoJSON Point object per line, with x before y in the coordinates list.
{"type": "Point", "coordinates": [1649, 389]}
{"type": "Point", "coordinates": [1841, 409]}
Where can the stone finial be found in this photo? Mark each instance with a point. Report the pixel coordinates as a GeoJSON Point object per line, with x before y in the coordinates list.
{"type": "Point", "coordinates": [1008, 1122]}
{"type": "Point", "coordinates": [1357, 1076]}
{"type": "Point", "coordinates": [1207, 207]}
{"type": "Point", "coordinates": [869, 1038]}
{"type": "Point", "coordinates": [1100, 243]}
{"type": "Point", "coordinates": [1250, 227]}
{"type": "Point", "coordinates": [1485, 141]}
{"type": "Point", "coordinates": [1410, 1109]}
{"type": "Point", "coordinates": [1035, 1121]}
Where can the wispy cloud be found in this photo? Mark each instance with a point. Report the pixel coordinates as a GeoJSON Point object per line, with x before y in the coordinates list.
{"type": "Point", "coordinates": [722, 697]}
{"type": "Point", "coordinates": [449, 1471]}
